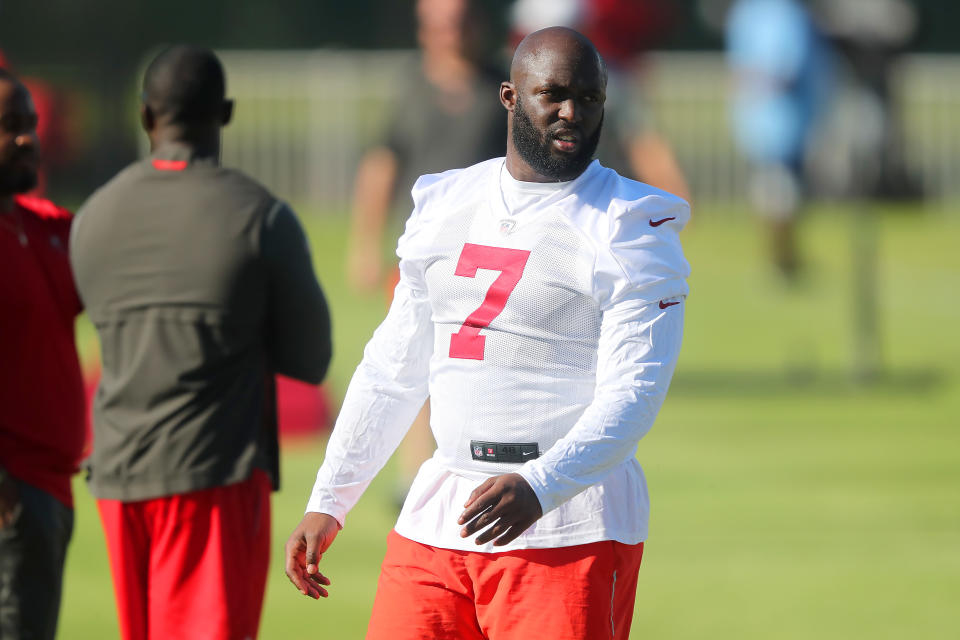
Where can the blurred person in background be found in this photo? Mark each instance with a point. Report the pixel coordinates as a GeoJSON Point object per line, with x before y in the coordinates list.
{"type": "Point", "coordinates": [862, 160]}
{"type": "Point", "coordinates": [622, 31]}
{"type": "Point", "coordinates": [41, 391]}
{"type": "Point", "coordinates": [200, 285]}
{"type": "Point", "coordinates": [52, 130]}
{"type": "Point", "coordinates": [540, 304]}
{"type": "Point", "coordinates": [865, 154]}
{"type": "Point", "coordinates": [782, 82]}
{"type": "Point", "coordinates": [446, 117]}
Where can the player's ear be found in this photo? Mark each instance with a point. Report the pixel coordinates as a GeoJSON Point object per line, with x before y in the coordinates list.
{"type": "Point", "coordinates": [147, 118]}
{"type": "Point", "coordinates": [226, 113]}
{"type": "Point", "coordinates": [508, 95]}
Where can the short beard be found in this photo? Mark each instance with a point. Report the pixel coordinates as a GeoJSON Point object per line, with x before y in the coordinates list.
{"type": "Point", "coordinates": [535, 148]}
{"type": "Point", "coordinates": [19, 182]}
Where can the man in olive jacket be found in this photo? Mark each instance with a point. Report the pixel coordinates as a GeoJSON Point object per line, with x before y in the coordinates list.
{"type": "Point", "coordinates": [200, 285]}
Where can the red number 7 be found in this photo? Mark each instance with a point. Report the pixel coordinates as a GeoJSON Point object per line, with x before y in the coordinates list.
{"type": "Point", "coordinates": [468, 343]}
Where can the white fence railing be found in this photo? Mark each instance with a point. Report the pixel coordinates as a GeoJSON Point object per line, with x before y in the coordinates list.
{"type": "Point", "coordinates": [304, 117]}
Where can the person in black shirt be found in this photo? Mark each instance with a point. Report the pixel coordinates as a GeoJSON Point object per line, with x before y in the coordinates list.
{"type": "Point", "coordinates": [200, 285]}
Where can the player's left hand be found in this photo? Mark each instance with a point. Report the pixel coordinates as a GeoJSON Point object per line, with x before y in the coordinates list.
{"type": "Point", "coordinates": [306, 545]}
{"type": "Point", "coordinates": [508, 502]}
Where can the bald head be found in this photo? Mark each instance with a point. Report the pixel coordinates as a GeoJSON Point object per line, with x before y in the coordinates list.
{"type": "Point", "coordinates": [185, 85]}
{"type": "Point", "coordinates": [544, 49]}
{"type": "Point", "coordinates": [555, 98]}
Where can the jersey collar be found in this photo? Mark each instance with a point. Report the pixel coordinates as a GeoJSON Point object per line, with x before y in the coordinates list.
{"type": "Point", "coordinates": [173, 156]}
{"type": "Point", "coordinates": [495, 196]}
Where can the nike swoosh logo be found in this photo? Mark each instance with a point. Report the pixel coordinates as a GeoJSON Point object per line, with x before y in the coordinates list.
{"type": "Point", "coordinates": [657, 223]}
{"type": "Point", "coordinates": [526, 453]}
{"type": "Point", "coordinates": [664, 305]}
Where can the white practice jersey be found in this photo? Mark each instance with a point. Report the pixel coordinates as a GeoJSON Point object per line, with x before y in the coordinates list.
{"type": "Point", "coordinates": [546, 342]}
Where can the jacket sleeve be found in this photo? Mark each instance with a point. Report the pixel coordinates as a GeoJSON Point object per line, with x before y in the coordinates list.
{"type": "Point", "coordinates": [298, 319]}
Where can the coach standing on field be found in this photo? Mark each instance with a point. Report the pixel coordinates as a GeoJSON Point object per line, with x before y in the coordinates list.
{"type": "Point", "coordinates": [200, 285]}
{"type": "Point", "coordinates": [41, 391]}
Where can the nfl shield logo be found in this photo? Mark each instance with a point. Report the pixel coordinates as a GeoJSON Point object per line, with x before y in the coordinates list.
{"type": "Point", "coordinates": [506, 226]}
{"type": "Point", "coordinates": [477, 450]}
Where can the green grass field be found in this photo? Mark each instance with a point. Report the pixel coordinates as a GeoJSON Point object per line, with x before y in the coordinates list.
{"type": "Point", "coordinates": [789, 502]}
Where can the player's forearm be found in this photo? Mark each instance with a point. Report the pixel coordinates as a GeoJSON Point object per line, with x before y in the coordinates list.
{"type": "Point", "coordinates": [606, 437]}
{"type": "Point", "coordinates": [384, 396]}
{"type": "Point", "coordinates": [372, 422]}
{"type": "Point", "coordinates": [638, 359]}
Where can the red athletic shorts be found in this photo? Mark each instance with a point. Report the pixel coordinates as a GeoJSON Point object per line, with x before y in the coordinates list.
{"type": "Point", "coordinates": [585, 592]}
{"type": "Point", "coordinates": [191, 566]}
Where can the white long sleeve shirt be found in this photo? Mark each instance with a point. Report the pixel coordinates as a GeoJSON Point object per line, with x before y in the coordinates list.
{"type": "Point", "coordinates": [551, 334]}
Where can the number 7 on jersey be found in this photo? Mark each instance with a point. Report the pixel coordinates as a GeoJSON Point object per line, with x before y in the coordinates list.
{"type": "Point", "coordinates": [467, 343]}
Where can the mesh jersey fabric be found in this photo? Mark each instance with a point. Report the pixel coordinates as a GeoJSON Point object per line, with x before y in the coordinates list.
{"type": "Point", "coordinates": [526, 329]}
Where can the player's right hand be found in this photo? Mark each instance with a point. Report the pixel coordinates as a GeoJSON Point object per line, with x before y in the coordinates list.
{"type": "Point", "coordinates": [303, 551]}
